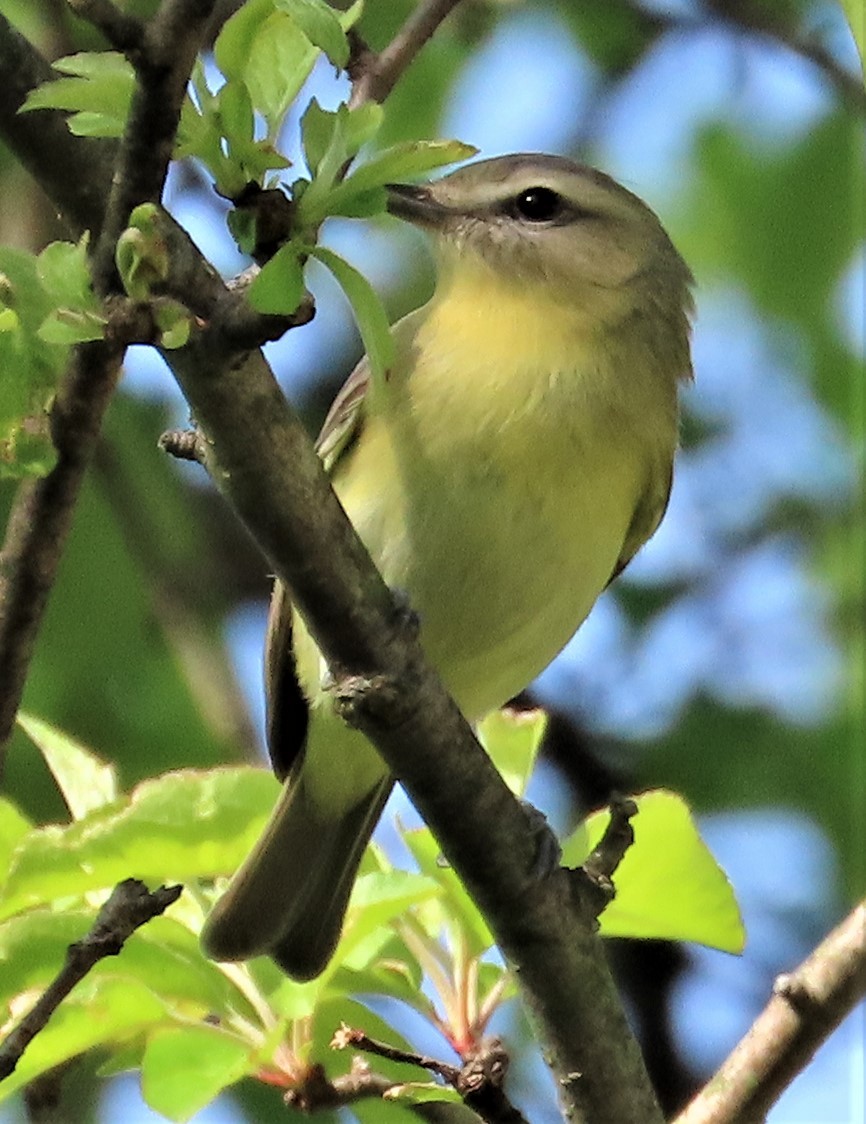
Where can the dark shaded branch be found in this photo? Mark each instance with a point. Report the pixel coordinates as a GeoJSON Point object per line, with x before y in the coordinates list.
{"type": "Point", "coordinates": [41, 516]}
{"type": "Point", "coordinates": [130, 906]}
{"type": "Point", "coordinates": [807, 1006]}
{"type": "Point", "coordinates": [375, 75]}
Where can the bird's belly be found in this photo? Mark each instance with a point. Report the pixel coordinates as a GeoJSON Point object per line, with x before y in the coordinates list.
{"type": "Point", "coordinates": [501, 568]}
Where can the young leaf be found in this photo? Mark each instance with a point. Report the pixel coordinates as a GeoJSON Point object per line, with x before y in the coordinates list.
{"type": "Point", "coordinates": [181, 825]}
{"type": "Point", "coordinates": [31, 367]}
{"type": "Point", "coordinates": [279, 287]}
{"type": "Point", "coordinates": [85, 781]}
{"type": "Point", "coordinates": [265, 49]}
{"type": "Point", "coordinates": [456, 901]}
{"type": "Point", "coordinates": [668, 885]}
{"type": "Point", "coordinates": [378, 899]}
{"type": "Point", "coordinates": [216, 1058]}
{"type": "Point", "coordinates": [369, 313]}
{"type": "Point", "coordinates": [317, 129]}
{"type": "Point", "coordinates": [512, 738]}
{"type": "Point", "coordinates": [403, 161]}
{"type": "Point", "coordinates": [98, 88]}
{"type": "Point", "coordinates": [13, 827]}
{"type": "Point", "coordinates": [321, 26]}
{"type": "Point", "coordinates": [101, 1011]}
{"type": "Point", "coordinates": [65, 275]}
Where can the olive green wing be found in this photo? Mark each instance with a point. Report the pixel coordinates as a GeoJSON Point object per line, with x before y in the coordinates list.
{"type": "Point", "coordinates": [647, 517]}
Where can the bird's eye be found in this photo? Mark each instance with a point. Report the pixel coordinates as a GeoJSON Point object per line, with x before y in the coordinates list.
{"type": "Point", "coordinates": [537, 204]}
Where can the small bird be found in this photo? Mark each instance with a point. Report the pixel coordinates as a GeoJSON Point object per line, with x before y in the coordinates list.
{"type": "Point", "coordinates": [514, 460]}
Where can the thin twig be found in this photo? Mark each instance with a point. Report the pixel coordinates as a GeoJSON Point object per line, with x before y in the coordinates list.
{"type": "Point", "coordinates": [130, 906]}
{"type": "Point", "coordinates": [377, 74]}
{"type": "Point", "coordinates": [807, 1006]}
{"type": "Point", "coordinates": [316, 1091]}
{"type": "Point", "coordinates": [478, 1080]}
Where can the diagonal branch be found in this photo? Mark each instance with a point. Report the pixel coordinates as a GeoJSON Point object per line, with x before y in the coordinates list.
{"type": "Point", "coordinates": [376, 75]}
{"type": "Point", "coordinates": [806, 1007]}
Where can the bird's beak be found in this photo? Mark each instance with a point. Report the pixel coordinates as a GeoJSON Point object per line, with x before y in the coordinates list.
{"type": "Point", "coordinates": [415, 204]}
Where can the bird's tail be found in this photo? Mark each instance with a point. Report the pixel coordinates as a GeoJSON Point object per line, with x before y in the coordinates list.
{"type": "Point", "coordinates": [289, 898]}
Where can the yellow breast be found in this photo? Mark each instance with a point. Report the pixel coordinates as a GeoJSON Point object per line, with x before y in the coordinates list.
{"type": "Point", "coordinates": [495, 482]}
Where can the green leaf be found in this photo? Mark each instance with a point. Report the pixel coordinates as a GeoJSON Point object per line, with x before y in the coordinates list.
{"type": "Point", "coordinates": [99, 91]}
{"type": "Point", "coordinates": [100, 1011]}
{"type": "Point", "coordinates": [31, 368]}
{"type": "Point", "coordinates": [86, 781]}
{"type": "Point", "coordinates": [317, 129]}
{"type": "Point", "coordinates": [512, 738]}
{"type": "Point", "coordinates": [266, 50]}
{"type": "Point", "coordinates": [174, 323]}
{"type": "Point", "coordinates": [13, 827]}
{"type": "Point", "coordinates": [668, 885]}
{"type": "Point", "coordinates": [424, 1092]}
{"type": "Point", "coordinates": [64, 272]}
{"type": "Point", "coordinates": [279, 287]}
{"type": "Point", "coordinates": [406, 161]}
{"type": "Point", "coordinates": [457, 904]}
{"type": "Point", "coordinates": [67, 326]}
{"type": "Point", "coordinates": [321, 26]}
{"type": "Point", "coordinates": [369, 313]}
{"type": "Point", "coordinates": [172, 1056]}
{"type": "Point", "coordinates": [377, 900]}
{"type": "Point", "coordinates": [362, 192]}
{"type": "Point", "coordinates": [189, 824]}
{"type": "Point", "coordinates": [163, 955]}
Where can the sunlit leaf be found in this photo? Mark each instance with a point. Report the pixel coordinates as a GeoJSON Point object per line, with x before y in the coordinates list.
{"type": "Point", "coordinates": [98, 89]}
{"type": "Point", "coordinates": [100, 1011]}
{"type": "Point", "coordinates": [181, 825]}
{"type": "Point", "coordinates": [184, 1068]}
{"type": "Point", "coordinates": [369, 313]}
{"type": "Point", "coordinates": [376, 901]}
{"type": "Point", "coordinates": [279, 287]}
{"type": "Point", "coordinates": [456, 901]}
{"type": "Point", "coordinates": [321, 26]}
{"type": "Point", "coordinates": [512, 738]}
{"type": "Point", "coordinates": [85, 781]}
{"type": "Point", "coordinates": [668, 886]}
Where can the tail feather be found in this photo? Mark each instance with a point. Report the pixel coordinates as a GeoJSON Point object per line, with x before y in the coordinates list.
{"type": "Point", "coordinates": [289, 898]}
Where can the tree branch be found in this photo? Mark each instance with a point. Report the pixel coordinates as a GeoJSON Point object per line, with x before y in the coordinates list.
{"type": "Point", "coordinates": [478, 1080]}
{"type": "Point", "coordinates": [806, 1007]}
{"type": "Point", "coordinates": [374, 76]}
{"type": "Point", "coordinates": [130, 906]}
